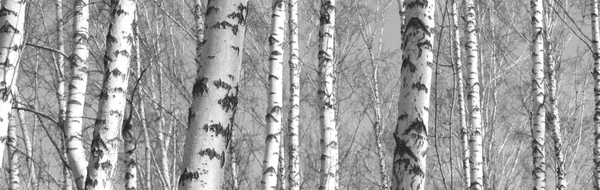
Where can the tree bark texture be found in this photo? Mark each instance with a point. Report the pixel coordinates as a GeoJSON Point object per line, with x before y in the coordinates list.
{"type": "Point", "coordinates": [294, 113]}
{"type": "Point", "coordinates": [538, 119]}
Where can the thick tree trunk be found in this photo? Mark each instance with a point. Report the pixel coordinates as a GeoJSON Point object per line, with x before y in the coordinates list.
{"type": "Point", "coordinates": [461, 103]}
{"type": "Point", "coordinates": [474, 102]}
{"type": "Point", "coordinates": [106, 141]}
{"type": "Point", "coordinates": [275, 97]}
{"type": "Point", "coordinates": [13, 155]}
{"type": "Point", "coordinates": [294, 114]}
{"type": "Point", "coordinates": [327, 98]}
{"type": "Point", "coordinates": [215, 96]}
{"type": "Point", "coordinates": [11, 43]}
{"type": "Point", "coordinates": [538, 120]}
{"type": "Point", "coordinates": [596, 74]}
{"type": "Point", "coordinates": [77, 90]}
{"type": "Point", "coordinates": [411, 131]}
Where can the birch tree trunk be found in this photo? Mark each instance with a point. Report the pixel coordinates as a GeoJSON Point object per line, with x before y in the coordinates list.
{"type": "Point", "coordinates": [106, 141]}
{"type": "Point", "coordinates": [552, 112]}
{"type": "Point", "coordinates": [596, 74]}
{"type": "Point", "coordinates": [327, 99]}
{"type": "Point", "coordinates": [294, 114]}
{"type": "Point", "coordinates": [474, 102]}
{"type": "Point", "coordinates": [281, 170]}
{"type": "Point", "coordinates": [411, 131]}
{"type": "Point", "coordinates": [13, 154]}
{"type": "Point", "coordinates": [77, 90]}
{"type": "Point", "coordinates": [464, 132]}
{"type": "Point", "coordinates": [275, 97]}
{"type": "Point", "coordinates": [538, 120]}
{"type": "Point", "coordinates": [12, 19]}
{"type": "Point", "coordinates": [28, 149]}
{"type": "Point", "coordinates": [215, 96]}
{"type": "Point", "coordinates": [131, 175]}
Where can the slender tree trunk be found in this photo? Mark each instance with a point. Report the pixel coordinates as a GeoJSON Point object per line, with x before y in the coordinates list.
{"type": "Point", "coordinates": [327, 100]}
{"type": "Point", "coordinates": [11, 43]}
{"type": "Point", "coordinates": [474, 101]}
{"type": "Point", "coordinates": [13, 155]}
{"type": "Point", "coordinates": [106, 141]}
{"type": "Point", "coordinates": [596, 74]}
{"type": "Point", "coordinates": [553, 120]}
{"type": "Point", "coordinates": [142, 112]}
{"type": "Point", "coordinates": [281, 177]}
{"type": "Point", "coordinates": [131, 175]}
{"type": "Point", "coordinates": [411, 132]}
{"type": "Point", "coordinates": [215, 96]}
{"type": "Point", "coordinates": [275, 100]}
{"type": "Point", "coordinates": [77, 90]}
{"type": "Point", "coordinates": [28, 149]}
{"type": "Point", "coordinates": [234, 167]}
{"type": "Point", "coordinates": [461, 103]}
{"type": "Point", "coordinates": [294, 114]}
{"type": "Point", "coordinates": [538, 121]}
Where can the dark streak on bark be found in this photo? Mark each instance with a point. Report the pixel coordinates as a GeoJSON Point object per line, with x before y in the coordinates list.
{"type": "Point", "coordinates": [200, 87]}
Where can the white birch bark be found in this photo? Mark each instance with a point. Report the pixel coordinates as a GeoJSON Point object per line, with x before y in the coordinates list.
{"type": "Point", "coordinates": [275, 97]}
{"type": "Point", "coordinates": [411, 131]}
{"type": "Point", "coordinates": [294, 113]}
{"type": "Point", "coordinates": [106, 140]}
{"type": "Point", "coordinates": [215, 96]}
{"type": "Point", "coordinates": [60, 89]}
{"type": "Point", "coordinates": [596, 74]}
{"type": "Point", "coordinates": [13, 155]}
{"type": "Point", "coordinates": [461, 103]}
{"type": "Point", "coordinates": [131, 175]}
{"type": "Point", "coordinates": [327, 99]}
{"type": "Point", "coordinates": [77, 91]}
{"type": "Point", "coordinates": [476, 136]}
{"type": "Point", "coordinates": [538, 120]}
{"type": "Point", "coordinates": [12, 19]}
{"type": "Point", "coordinates": [28, 150]}
{"type": "Point", "coordinates": [553, 120]}
{"type": "Point", "coordinates": [281, 178]}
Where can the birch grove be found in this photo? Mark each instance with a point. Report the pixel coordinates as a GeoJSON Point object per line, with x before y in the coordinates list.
{"type": "Point", "coordinates": [374, 100]}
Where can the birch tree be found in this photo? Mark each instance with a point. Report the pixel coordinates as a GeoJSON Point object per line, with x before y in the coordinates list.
{"type": "Point", "coordinates": [76, 96]}
{"type": "Point", "coordinates": [13, 154]}
{"type": "Point", "coordinates": [275, 97]}
{"type": "Point", "coordinates": [461, 103]}
{"type": "Point", "coordinates": [214, 96]}
{"type": "Point", "coordinates": [538, 120]}
{"type": "Point", "coordinates": [476, 136]}
{"type": "Point", "coordinates": [327, 100]}
{"type": "Point", "coordinates": [12, 19]}
{"type": "Point", "coordinates": [294, 113]}
{"type": "Point", "coordinates": [411, 131]}
{"type": "Point", "coordinates": [106, 140]}
{"type": "Point", "coordinates": [596, 74]}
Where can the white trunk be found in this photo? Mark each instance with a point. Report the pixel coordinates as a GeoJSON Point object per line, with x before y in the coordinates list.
{"type": "Point", "coordinates": [77, 90]}
{"type": "Point", "coordinates": [327, 99]}
{"type": "Point", "coordinates": [461, 103]}
{"type": "Point", "coordinates": [215, 96]}
{"type": "Point", "coordinates": [538, 120]}
{"type": "Point", "coordinates": [275, 97]}
{"type": "Point", "coordinates": [474, 102]}
{"type": "Point", "coordinates": [294, 114]}
{"type": "Point", "coordinates": [13, 155]}
{"type": "Point", "coordinates": [411, 132]}
{"type": "Point", "coordinates": [60, 89]}
{"type": "Point", "coordinates": [234, 167]}
{"type": "Point", "coordinates": [281, 178]}
{"type": "Point", "coordinates": [28, 150]}
{"type": "Point", "coordinates": [11, 43]}
{"type": "Point", "coordinates": [106, 141]}
{"type": "Point", "coordinates": [596, 74]}
{"type": "Point", "coordinates": [131, 175]}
